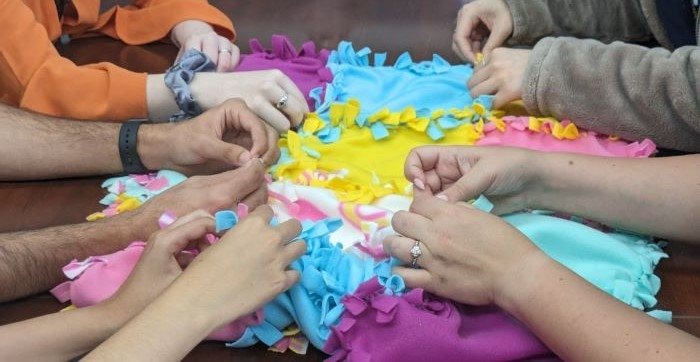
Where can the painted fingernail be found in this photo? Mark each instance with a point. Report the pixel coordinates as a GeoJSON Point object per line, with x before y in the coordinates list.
{"type": "Point", "coordinates": [442, 197]}
{"type": "Point", "coordinates": [419, 184]}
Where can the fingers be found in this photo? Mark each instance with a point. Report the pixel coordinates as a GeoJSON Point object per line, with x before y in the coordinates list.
{"type": "Point", "coordinates": [288, 230]}
{"type": "Point", "coordinates": [427, 206]}
{"type": "Point", "coordinates": [229, 55]}
{"type": "Point", "coordinates": [414, 278]}
{"type": "Point", "coordinates": [400, 248]}
{"type": "Point", "coordinates": [258, 131]}
{"type": "Point", "coordinates": [189, 217]}
{"type": "Point", "coordinates": [472, 184]}
{"type": "Point", "coordinates": [489, 86]}
{"type": "Point", "coordinates": [273, 117]}
{"type": "Point", "coordinates": [480, 75]}
{"type": "Point", "coordinates": [263, 213]}
{"type": "Point", "coordinates": [257, 197]}
{"type": "Point", "coordinates": [292, 277]}
{"type": "Point", "coordinates": [499, 35]}
{"type": "Point", "coordinates": [235, 57]}
{"type": "Point", "coordinates": [233, 186]}
{"type": "Point", "coordinates": [294, 251]}
{"type": "Point", "coordinates": [228, 153]}
{"type": "Point", "coordinates": [466, 24]}
{"type": "Point", "coordinates": [272, 153]}
{"type": "Point", "coordinates": [502, 97]}
{"type": "Point", "coordinates": [420, 160]}
{"type": "Point", "coordinates": [223, 64]}
{"type": "Point", "coordinates": [411, 225]}
{"type": "Point", "coordinates": [176, 239]}
{"type": "Point", "coordinates": [291, 89]}
{"type": "Point", "coordinates": [294, 107]}
{"type": "Point", "coordinates": [236, 116]}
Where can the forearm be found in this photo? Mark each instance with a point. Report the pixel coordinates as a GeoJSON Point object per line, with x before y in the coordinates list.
{"type": "Point", "coordinates": [31, 261]}
{"type": "Point", "coordinates": [618, 89]}
{"type": "Point", "coordinates": [59, 336]}
{"type": "Point", "coordinates": [172, 315]}
{"type": "Point", "coordinates": [599, 19]}
{"type": "Point", "coordinates": [580, 322]}
{"type": "Point", "coordinates": [35, 146]}
{"type": "Point", "coordinates": [657, 196]}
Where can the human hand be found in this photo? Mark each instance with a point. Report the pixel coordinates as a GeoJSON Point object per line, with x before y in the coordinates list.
{"type": "Point", "coordinates": [224, 137]}
{"type": "Point", "coordinates": [243, 271]}
{"type": "Point", "coordinates": [510, 177]}
{"type": "Point", "coordinates": [196, 34]}
{"type": "Point", "coordinates": [467, 255]}
{"type": "Point", "coordinates": [209, 193]}
{"type": "Point", "coordinates": [482, 26]}
{"type": "Point", "coordinates": [261, 91]}
{"type": "Point", "coordinates": [501, 75]}
{"type": "Point", "coordinates": [161, 262]}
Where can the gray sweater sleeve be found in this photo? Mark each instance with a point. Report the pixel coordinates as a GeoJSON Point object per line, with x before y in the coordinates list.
{"type": "Point", "coordinates": [618, 89]}
{"type": "Point", "coordinates": [605, 20]}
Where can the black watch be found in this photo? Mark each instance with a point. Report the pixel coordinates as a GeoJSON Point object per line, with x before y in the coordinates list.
{"type": "Point", "coordinates": [128, 138]}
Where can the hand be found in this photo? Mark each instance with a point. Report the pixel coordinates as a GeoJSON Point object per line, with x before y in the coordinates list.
{"type": "Point", "coordinates": [510, 177]}
{"type": "Point", "coordinates": [261, 91]}
{"type": "Point", "coordinates": [224, 137]}
{"type": "Point", "coordinates": [502, 75]}
{"type": "Point", "coordinates": [196, 34]}
{"type": "Point", "coordinates": [243, 271]}
{"type": "Point", "coordinates": [467, 255]}
{"type": "Point", "coordinates": [162, 262]}
{"type": "Point", "coordinates": [208, 193]}
{"type": "Point", "coordinates": [479, 21]}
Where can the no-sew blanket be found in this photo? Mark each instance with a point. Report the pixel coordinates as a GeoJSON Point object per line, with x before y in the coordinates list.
{"type": "Point", "coordinates": [341, 174]}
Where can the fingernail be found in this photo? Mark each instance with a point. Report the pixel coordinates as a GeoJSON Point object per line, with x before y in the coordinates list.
{"type": "Point", "coordinates": [244, 157]}
{"type": "Point", "coordinates": [442, 197]}
{"type": "Point", "coordinates": [419, 184]}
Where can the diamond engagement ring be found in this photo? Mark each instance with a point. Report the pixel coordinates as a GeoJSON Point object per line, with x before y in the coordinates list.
{"type": "Point", "coordinates": [222, 50]}
{"type": "Point", "coordinates": [282, 102]}
{"type": "Point", "coordinates": [416, 252]}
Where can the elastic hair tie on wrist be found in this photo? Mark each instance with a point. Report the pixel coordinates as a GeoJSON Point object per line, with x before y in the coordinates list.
{"type": "Point", "coordinates": [180, 75]}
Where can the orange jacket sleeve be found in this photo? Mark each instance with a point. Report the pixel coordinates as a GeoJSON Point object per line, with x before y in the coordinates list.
{"type": "Point", "coordinates": [145, 21]}
{"type": "Point", "coordinates": [34, 76]}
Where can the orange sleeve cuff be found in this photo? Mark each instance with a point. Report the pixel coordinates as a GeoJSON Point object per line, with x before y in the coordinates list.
{"type": "Point", "coordinates": [101, 92]}
{"type": "Point", "coordinates": [154, 22]}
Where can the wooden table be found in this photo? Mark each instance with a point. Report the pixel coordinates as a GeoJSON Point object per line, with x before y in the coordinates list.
{"type": "Point", "coordinates": [421, 26]}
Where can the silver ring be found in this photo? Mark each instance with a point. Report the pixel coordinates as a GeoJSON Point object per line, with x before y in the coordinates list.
{"type": "Point", "coordinates": [225, 51]}
{"type": "Point", "coordinates": [416, 252]}
{"type": "Point", "coordinates": [282, 101]}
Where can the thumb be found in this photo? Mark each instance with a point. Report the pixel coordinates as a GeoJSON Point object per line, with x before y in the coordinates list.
{"type": "Point", "coordinates": [228, 153]}
{"type": "Point", "coordinates": [468, 187]}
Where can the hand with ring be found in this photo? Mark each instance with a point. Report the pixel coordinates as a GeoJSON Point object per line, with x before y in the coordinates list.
{"type": "Point", "coordinates": [196, 34]}
{"type": "Point", "coordinates": [464, 254]}
{"type": "Point", "coordinates": [268, 93]}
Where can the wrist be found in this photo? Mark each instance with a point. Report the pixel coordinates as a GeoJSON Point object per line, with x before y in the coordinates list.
{"type": "Point", "coordinates": [113, 314]}
{"type": "Point", "coordinates": [205, 315]}
{"type": "Point", "coordinates": [515, 288]}
{"type": "Point", "coordinates": [199, 86]}
{"type": "Point", "coordinates": [159, 98]}
{"type": "Point", "coordinates": [538, 184]}
{"type": "Point", "coordinates": [153, 145]}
